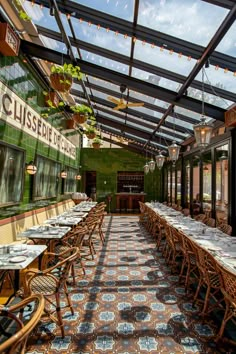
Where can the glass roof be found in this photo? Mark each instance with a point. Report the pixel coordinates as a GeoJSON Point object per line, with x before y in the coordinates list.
{"type": "Point", "coordinates": [154, 48]}
{"type": "Point", "coordinates": [118, 8]}
{"type": "Point", "coordinates": [164, 58]}
{"type": "Point", "coordinates": [192, 20]}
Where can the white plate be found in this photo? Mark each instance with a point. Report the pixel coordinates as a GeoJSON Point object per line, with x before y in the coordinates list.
{"type": "Point", "coordinates": [17, 259]}
{"type": "Point", "coordinates": [18, 248]}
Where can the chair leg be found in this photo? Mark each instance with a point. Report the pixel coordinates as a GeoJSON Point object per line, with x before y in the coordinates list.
{"type": "Point", "coordinates": [59, 316]}
{"type": "Point", "coordinates": [206, 302]}
{"type": "Point", "coordinates": [68, 300]}
{"type": "Point", "coordinates": [227, 316]}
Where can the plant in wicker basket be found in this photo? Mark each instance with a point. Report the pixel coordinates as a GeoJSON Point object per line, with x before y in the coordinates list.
{"type": "Point", "coordinates": [81, 113]}
{"type": "Point", "coordinates": [62, 76]}
{"type": "Point", "coordinates": [96, 142]}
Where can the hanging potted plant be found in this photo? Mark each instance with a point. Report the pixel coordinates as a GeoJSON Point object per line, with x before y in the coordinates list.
{"type": "Point", "coordinates": [70, 124]}
{"type": "Point", "coordinates": [51, 99]}
{"type": "Point", "coordinates": [81, 113]}
{"type": "Point", "coordinates": [62, 76]}
{"type": "Point", "coordinates": [90, 131]}
{"type": "Point", "coordinates": [96, 142]}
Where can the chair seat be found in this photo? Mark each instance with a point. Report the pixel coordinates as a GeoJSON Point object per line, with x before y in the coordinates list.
{"type": "Point", "coordinates": [44, 284]}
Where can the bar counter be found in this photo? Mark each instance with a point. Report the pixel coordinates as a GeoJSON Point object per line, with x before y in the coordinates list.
{"type": "Point", "coordinates": [129, 201]}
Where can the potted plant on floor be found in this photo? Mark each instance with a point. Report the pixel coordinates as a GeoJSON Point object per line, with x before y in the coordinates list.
{"type": "Point", "coordinates": [62, 76]}
{"type": "Point", "coordinates": [96, 142]}
{"type": "Point", "coordinates": [81, 113]}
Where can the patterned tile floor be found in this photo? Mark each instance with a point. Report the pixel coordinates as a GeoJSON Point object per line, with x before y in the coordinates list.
{"type": "Point", "coordinates": [128, 303]}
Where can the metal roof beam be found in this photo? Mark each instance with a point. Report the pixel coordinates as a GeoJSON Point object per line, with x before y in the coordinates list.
{"type": "Point", "coordinates": [138, 64]}
{"type": "Point", "coordinates": [38, 51]}
{"type": "Point", "coordinates": [141, 32]}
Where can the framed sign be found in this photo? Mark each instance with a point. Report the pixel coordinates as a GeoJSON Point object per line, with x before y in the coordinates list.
{"type": "Point", "coordinates": [9, 41]}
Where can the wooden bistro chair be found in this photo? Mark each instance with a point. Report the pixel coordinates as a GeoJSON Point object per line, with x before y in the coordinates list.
{"type": "Point", "coordinates": [91, 224]}
{"type": "Point", "coordinates": [17, 322]}
{"type": "Point", "coordinates": [210, 222]}
{"type": "Point", "coordinates": [227, 229]}
{"type": "Point", "coordinates": [228, 289]}
{"type": "Point", "coordinates": [209, 278]}
{"type": "Point", "coordinates": [51, 282]}
{"type": "Point", "coordinates": [189, 268]}
{"type": "Point", "coordinates": [74, 239]}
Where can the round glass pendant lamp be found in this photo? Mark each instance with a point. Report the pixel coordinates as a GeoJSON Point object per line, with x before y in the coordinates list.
{"type": "Point", "coordinates": [160, 159]}
{"type": "Point", "coordinates": [174, 151]}
{"type": "Point", "coordinates": [31, 169]}
{"type": "Point", "coordinates": [203, 133]}
{"type": "Point", "coordinates": [151, 165]}
{"type": "Point", "coordinates": [146, 168]}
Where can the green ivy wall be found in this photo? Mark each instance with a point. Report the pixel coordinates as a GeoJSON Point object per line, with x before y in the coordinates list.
{"type": "Point", "coordinates": [107, 162]}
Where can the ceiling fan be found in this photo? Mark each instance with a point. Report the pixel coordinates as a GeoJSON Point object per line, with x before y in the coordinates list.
{"type": "Point", "coordinates": [121, 103]}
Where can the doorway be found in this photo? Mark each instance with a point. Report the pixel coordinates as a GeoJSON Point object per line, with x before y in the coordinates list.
{"type": "Point", "coordinates": [90, 184]}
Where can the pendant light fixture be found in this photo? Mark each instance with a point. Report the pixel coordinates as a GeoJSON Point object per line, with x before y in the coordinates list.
{"type": "Point", "coordinates": [174, 148]}
{"type": "Point", "coordinates": [151, 164]}
{"type": "Point", "coordinates": [146, 166]}
{"type": "Point", "coordinates": [160, 159]}
{"type": "Point", "coordinates": [203, 130]}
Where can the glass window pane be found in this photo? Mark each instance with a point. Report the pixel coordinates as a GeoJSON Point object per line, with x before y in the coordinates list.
{"type": "Point", "coordinates": [101, 37]}
{"type": "Point", "coordinates": [169, 185]}
{"type": "Point", "coordinates": [173, 187]}
{"type": "Point", "coordinates": [179, 185]}
{"type": "Point", "coordinates": [222, 183]}
{"type": "Point", "coordinates": [196, 186]}
{"type": "Point", "coordinates": [122, 8]}
{"type": "Point", "coordinates": [207, 175]}
{"type": "Point", "coordinates": [11, 174]}
{"type": "Point", "coordinates": [104, 62]}
{"type": "Point", "coordinates": [192, 20]}
{"type": "Point", "coordinates": [163, 59]}
{"type": "Point", "coordinates": [187, 184]}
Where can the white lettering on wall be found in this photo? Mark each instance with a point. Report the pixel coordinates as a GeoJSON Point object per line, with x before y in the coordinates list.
{"type": "Point", "coordinates": [20, 115]}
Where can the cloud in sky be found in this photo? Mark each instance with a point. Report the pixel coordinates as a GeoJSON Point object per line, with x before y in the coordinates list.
{"type": "Point", "coordinates": [192, 20]}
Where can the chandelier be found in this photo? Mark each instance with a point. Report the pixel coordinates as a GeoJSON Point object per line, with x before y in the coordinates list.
{"type": "Point", "coordinates": [203, 130]}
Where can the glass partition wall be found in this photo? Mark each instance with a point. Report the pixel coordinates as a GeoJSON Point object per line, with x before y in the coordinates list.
{"type": "Point", "coordinates": [207, 182]}
{"type": "Point", "coordinates": [221, 192]}
{"type": "Point", "coordinates": [204, 186]}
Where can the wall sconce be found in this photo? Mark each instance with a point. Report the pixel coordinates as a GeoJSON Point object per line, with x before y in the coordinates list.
{"type": "Point", "coordinates": [63, 174]}
{"type": "Point", "coordinates": [31, 169]}
{"type": "Point", "coordinates": [78, 177]}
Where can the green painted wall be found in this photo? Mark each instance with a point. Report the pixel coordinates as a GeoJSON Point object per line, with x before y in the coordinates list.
{"type": "Point", "coordinates": [17, 76]}
{"type": "Point", "coordinates": [107, 162]}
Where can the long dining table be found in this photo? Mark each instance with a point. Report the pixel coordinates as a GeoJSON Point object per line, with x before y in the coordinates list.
{"type": "Point", "coordinates": [221, 245]}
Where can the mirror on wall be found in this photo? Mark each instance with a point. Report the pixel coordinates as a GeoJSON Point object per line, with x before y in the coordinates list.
{"type": "Point", "coordinates": [221, 197]}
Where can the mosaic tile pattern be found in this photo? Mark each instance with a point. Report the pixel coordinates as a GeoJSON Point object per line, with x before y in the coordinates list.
{"type": "Point", "coordinates": [128, 302]}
